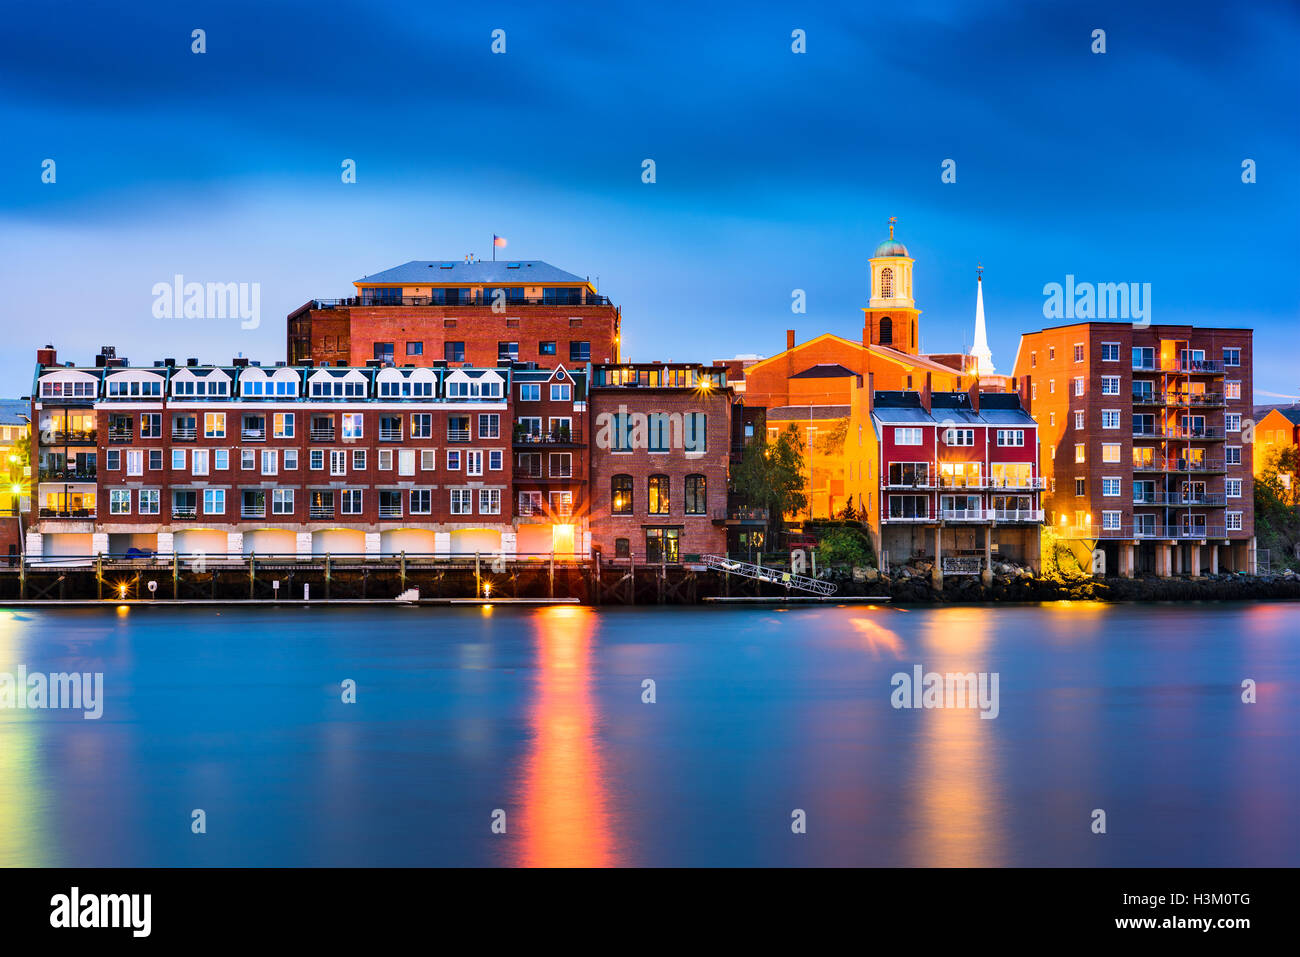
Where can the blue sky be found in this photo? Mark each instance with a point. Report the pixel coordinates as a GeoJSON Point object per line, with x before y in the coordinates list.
{"type": "Point", "coordinates": [775, 171]}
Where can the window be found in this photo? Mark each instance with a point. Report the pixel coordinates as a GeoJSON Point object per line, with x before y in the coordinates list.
{"type": "Point", "coordinates": [422, 425]}
{"type": "Point", "coordinates": [489, 501]}
{"type": "Point", "coordinates": [1078, 420]}
{"type": "Point", "coordinates": [350, 502]}
{"type": "Point", "coordinates": [1110, 385]}
{"type": "Point", "coordinates": [909, 473]}
{"type": "Point", "coordinates": [657, 494]}
{"type": "Point", "coordinates": [1232, 521]}
{"type": "Point", "coordinates": [508, 350]}
{"type": "Point", "coordinates": [415, 348]}
{"type": "Point", "coordinates": [1110, 521]}
{"type": "Point", "coordinates": [546, 348]}
{"type": "Point", "coordinates": [353, 425]}
{"type": "Point", "coordinates": [1144, 357]}
{"type": "Point", "coordinates": [489, 426]}
{"type": "Point", "coordinates": [959, 437]}
{"type": "Point", "coordinates": [1011, 437]}
{"type": "Point", "coordinates": [696, 495]}
{"type": "Point", "coordinates": [907, 436]}
{"type": "Point", "coordinates": [1080, 487]}
{"type": "Point", "coordinates": [530, 503]}
{"type": "Point", "coordinates": [622, 548]}
{"type": "Point", "coordinates": [886, 283]}
{"type": "Point", "coordinates": [282, 425]}
{"type": "Point", "coordinates": [560, 465]}
{"type": "Point", "coordinates": [1110, 451]}
{"type": "Point", "coordinates": [579, 351]}
{"type": "Point", "coordinates": [661, 544]}
{"type": "Point", "coordinates": [909, 506]}
{"type": "Point", "coordinates": [473, 462]}
{"type": "Point", "coordinates": [1078, 453]}
{"type": "Point", "coordinates": [1232, 488]}
{"type": "Point", "coordinates": [316, 459]}
{"type": "Point", "coordinates": [1051, 418]}
{"type": "Point", "coordinates": [453, 460]}
{"type": "Point", "coordinates": [178, 459]}
{"type": "Point", "coordinates": [1078, 385]}
{"type": "Point", "coordinates": [119, 501]}
{"type": "Point", "coordinates": [1110, 352]}
{"type": "Point", "coordinates": [421, 501]}
{"type": "Point", "coordinates": [620, 493]}
{"type": "Point", "coordinates": [155, 459]}
{"type": "Point", "coordinates": [496, 460]}
{"type": "Point", "coordinates": [1110, 487]}
{"type": "Point", "coordinates": [290, 459]}
{"type": "Point", "coordinates": [1110, 418]}
{"type": "Point", "coordinates": [135, 462]}
{"type": "Point", "coordinates": [1232, 357]}
{"type": "Point", "coordinates": [560, 392]}
{"type": "Point", "coordinates": [1233, 453]}
{"type": "Point", "coordinates": [385, 463]}
{"type": "Point", "coordinates": [384, 351]}
{"type": "Point", "coordinates": [1051, 353]}
{"type": "Point", "coordinates": [151, 425]}
{"type": "Point", "coordinates": [1232, 421]}
{"type": "Point", "coordinates": [1078, 352]}
{"type": "Point", "coordinates": [428, 460]}
{"type": "Point", "coordinates": [214, 501]}
{"type": "Point", "coordinates": [270, 462]}
{"type": "Point", "coordinates": [406, 461]}
{"type": "Point", "coordinates": [199, 462]}
{"type": "Point", "coordinates": [1033, 360]}
{"type": "Point", "coordinates": [149, 501]}
{"type": "Point", "coordinates": [1033, 390]}
{"type": "Point", "coordinates": [254, 503]}
{"type": "Point", "coordinates": [221, 459]}
{"type": "Point", "coordinates": [390, 503]}
{"type": "Point", "coordinates": [338, 462]}
{"type": "Point", "coordinates": [282, 501]}
{"type": "Point", "coordinates": [462, 501]}
{"type": "Point", "coordinates": [530, 392]}
{"type": "Point", "coordinates": [886, 331]}
{"type": "Point", "coordinates": [1051, 387]}
{"type": "Point", "coordinates": [1232, 389]}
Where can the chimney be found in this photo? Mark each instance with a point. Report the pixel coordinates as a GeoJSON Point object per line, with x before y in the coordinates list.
{"type": "Point", "coordinates": [49, 356]}
{"type": "Point", "coordinates": [974, 394]}
{"type": "Point", "coordinates": [789, 338]}
{"type": "Point", "coordinates": [1026, 392]}
{"type": "Point", "coordinates": [925, 393]}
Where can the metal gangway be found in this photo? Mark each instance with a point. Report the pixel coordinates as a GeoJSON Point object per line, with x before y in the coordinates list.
{"type": "Point", "coordinates": [764, 574]}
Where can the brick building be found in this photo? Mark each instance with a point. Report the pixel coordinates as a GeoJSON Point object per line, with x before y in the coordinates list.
{"type": "Point", "coordinates": [662, 441]}
{"type": "Point", "coordinates": [473, 313]}
{"type": "Point", "coordinates": [284, 460]}
{"type": "Point", "coordinates": [1143, 442]}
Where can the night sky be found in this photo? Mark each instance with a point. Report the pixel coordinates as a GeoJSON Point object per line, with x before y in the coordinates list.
{"type": "Point", "coordinates": [775, 171]}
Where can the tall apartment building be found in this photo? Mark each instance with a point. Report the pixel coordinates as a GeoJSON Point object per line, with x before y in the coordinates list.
{"type": "Point", "coordinates": [956, 479]}
{"type": "Point", "coordinates": [1142, 441]}
{"type": "Point", "coordinates": [661, 458]}
{"type": "Point", "coordinates": [300, 460]}
{"type": "Point", "coordinates": [461, 313]}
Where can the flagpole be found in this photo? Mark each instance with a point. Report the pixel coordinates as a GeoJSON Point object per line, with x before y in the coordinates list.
{"type": "Point", "coordinates": [494, 247]}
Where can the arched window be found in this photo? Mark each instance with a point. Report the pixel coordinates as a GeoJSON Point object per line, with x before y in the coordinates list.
{"type": "Point", "coordinates": [696, 495]}
{"type": "Point", "coordinates": [658, 497]}
{"type": "Point", "coordinates": [886, 283]}
{"type": "Point", "coordinates": [620, 489]}
{"type": "Point", "coordinates": [886, 331]}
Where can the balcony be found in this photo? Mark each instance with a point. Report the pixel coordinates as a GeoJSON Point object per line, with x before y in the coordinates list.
{"type": "Point", "coordinates": [1204, 434]}
{"type": "Point", "coordinates": [72, 474]}
{"type": "Point", "coordinates": [322, 433]}
{"type": "Point", "coordinates": [253, 434]}
{"type": "Point", "coordinates": [458, 435]}
{"type": "Point", "coordinates": [1194, 399]}
{"type": "Point", "coordinates": [1194, 465]}
{"type": "Point", "coordinates": [966, 514]}
{"type": "Point", "coordinates": [184, 511]}
{"type": "Point", "coordinates": [909, 519]}
{"type": "Point", "coordinates": [1179, 498]}
{"type": "Point", "coordinates": [121, 435]}
{"type": "Point", "coordinates": [1192, 366]}
{"type": "Point", "coordinates": [903, 486]}
{"type": "Point", "coordinates": [390, 511]}
{"type": "Point", "coordinates": [740, 515]}
{"type": "Point", "coordinates": [67, 513]}
{"type": "Point", "coordinates": [529, 508]}
{"type": "Point", "coordinates": [1016, 484]}
{"type": "Point", "coordinates": [1147, 432]}
{"type": "Point", "coordinates": [1015, 515]}
{"type": "Point", "coordinates": [1145, 532]}
{"type": "Point", "coordinates": [558, 437]}
{"type": "Point", "coordinates": [75, 437]}
{"type": "Point", "coordinates": [321, 511]}
{"type": "Point", "coordinates": [253, 511]}
{"type": "Point", "coordinates": [184, 433]}
{"type": "Point", "coordinates": [1148, 398]}
{"type": "Point", "coordinates": [390, 434]}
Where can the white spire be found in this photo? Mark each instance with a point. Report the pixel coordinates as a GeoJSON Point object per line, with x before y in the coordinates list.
{"type": "Point", "coordinates": [981, 352]}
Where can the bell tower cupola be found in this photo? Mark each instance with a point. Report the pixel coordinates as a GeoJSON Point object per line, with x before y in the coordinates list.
{"type": "Point", "coordinates": [892, 318]}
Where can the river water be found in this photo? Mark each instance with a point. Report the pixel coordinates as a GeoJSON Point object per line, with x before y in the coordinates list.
{"type": "Point", "coordinates": [763, 720]}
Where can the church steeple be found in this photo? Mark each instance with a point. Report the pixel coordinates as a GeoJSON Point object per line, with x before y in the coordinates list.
{"type": "Point", "coordinates": [980, 351]}
{"type": "Point", "coordinates": [891, 314]}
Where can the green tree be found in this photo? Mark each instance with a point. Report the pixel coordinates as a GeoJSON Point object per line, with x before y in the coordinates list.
{"type": "Point", "coordinates": [770, 476]}
{"type": "Point", "coordinates": [845, 545]}
{"type": "Point", "coordinates": [1277, 508]}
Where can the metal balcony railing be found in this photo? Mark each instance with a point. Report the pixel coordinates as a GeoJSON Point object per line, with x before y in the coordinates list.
{"type": "Point", "coordinates": [253, 434]}
{"type": "Point", "coordinates": [909, 519]}
{"type": "Point", "coordinates": [75, 436]}
{"type": "Point", "coordinates": [458, 302]}
{"type": "Point", "coordinates": [966, 514]}
{"type": "Point", "coordinates": [1207, 433]}
{"type": "Point", "coordinates": [1207, 366]}
{"type": "Point", "coordinates": [1018, 514]}
{"type": "Point", "coordinates": [321, 511]}
{"type": "Point", "coordinates": [121, 435]}
{"type": "Point", "coordinates": [458, 435]}
{"type": "Point", "coordinates": [559, 437]}
{"type": "Point", "coordinates": [390, 434]}
{"type": "Point", "coordinates": [73, 474]}
{"type": "Point", "coordinates": [1194, 398]}
{"type": "Point", "coordinates": [390, 511]}
{"type": "Point", "coordinates": [322, 434]}
{"type": "Point", "coordinates": [183, 434]}
{"type": "Point", "coordinates": [184, 511]}
{"type": "Point", "coordinates": [253, 511]}
{"type": "Point", "coordinates": [67, 513]}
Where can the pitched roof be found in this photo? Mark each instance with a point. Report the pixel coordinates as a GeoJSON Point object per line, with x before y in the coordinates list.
{"type": "Point", "coordinates": [505, 272]}
{"type": "Point", "coordinates": [13, 412]}
{"type": "Point", "coordinates": [824, 370]}
{"type": "Point", "coordinates": [801, 413]}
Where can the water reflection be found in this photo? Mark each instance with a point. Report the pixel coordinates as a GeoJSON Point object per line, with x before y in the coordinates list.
{"type": "Point", "coordinates": [957, 803]}
{"type": "Point", "coordinates": [565, 817]}
{"type": "Point", "coordinates": [24, 802]}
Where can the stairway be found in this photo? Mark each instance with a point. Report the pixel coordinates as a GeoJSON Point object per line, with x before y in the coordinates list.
{"type": "Point", "coordinates": [764, 574]}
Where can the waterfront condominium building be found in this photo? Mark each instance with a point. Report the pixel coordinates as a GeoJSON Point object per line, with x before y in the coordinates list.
{"type": "Point", "coordinates": [661, 456]}
{"type": "Point", "coordinates": [290, 460]}
{"type": "Point", "coordinates": [957, 479]}
{"type": "Point", "coordinates": [1144, 432]}
{"type": "Point", "coordinates": [462, 313]}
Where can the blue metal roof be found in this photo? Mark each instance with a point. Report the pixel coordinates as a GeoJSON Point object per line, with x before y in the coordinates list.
{"type": "Point", "coordinates": [501, 272]}
{"type": "Point", "coordinates": [12, 412]}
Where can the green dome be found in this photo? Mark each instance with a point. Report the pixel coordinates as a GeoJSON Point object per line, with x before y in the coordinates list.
{"type": "Point", "coordinates": [890, 247]}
